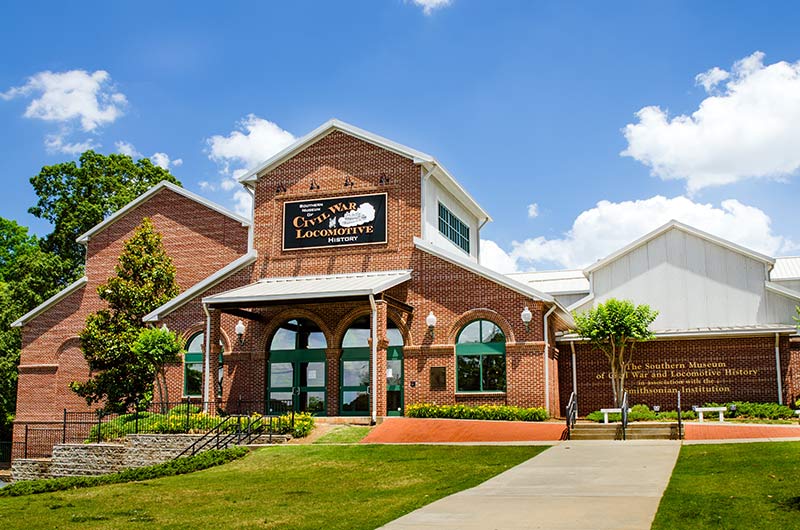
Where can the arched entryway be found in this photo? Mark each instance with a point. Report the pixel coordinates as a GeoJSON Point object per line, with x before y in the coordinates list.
{"type": "Point", "coordinates": [296, 368]}
{"type": "Point", "coordinates": [354, 369]}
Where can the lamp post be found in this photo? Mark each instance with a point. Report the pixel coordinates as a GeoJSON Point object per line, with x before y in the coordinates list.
{"type": "Point", "coordinates": [430, 320]}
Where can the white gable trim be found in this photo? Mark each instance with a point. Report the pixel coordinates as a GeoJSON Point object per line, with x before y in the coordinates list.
{"type": "Point", "coordinates": [586, 299]}
{"type": "Point", "coordinates": [149, 193]}
{"type": "Point", "coordinates": [44, 306]}
{"type": "Point", "coordinates": [200, 287]}
{"type": "Point", "coordinates": [685, 228]}
{"type": "Point", "coordinates": [781, 290]}
{"type": "Point", "coordinates": [418, 157]}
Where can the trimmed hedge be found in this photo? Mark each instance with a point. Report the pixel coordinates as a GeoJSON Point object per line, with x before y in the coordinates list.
{"type": "Point", "coordinates": [479, 412]}
{"type": "Point", "coordinates": [644, 413]}
{"type": "Point", "coordinates": [746, 409]}
{"type": "Point", "coordinates": [180, 466]}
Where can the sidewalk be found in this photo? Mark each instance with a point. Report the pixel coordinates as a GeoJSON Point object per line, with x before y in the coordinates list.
{"type": "Point", "coordinates": [573, 485]}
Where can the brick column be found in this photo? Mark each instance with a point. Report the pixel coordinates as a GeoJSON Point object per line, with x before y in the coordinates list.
{"type": "Point", "coordinates": [213, 362]}
{"type": "Point", "coordinates": [332, 356]}
{"type": "Point", "coordinates": [379, 393]}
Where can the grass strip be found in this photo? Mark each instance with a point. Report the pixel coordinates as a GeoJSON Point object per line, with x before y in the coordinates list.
{"type": "Point", "coordinates": [179, 466]}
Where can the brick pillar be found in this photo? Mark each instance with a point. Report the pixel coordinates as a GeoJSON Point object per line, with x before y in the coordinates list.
{"type": "Point", "coordinates": [213, 362]}
{"type": "Point", "coordinates": [379, 393]}
{"type": "Point", "coordinates": [332, 356]}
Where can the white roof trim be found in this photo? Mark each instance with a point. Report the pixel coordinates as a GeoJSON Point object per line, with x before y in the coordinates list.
{"type": "Point", "coordinates": [200, 287]}
{"type": "Point", "coordinates": [418, 157]}
{"type": "Point", "coordinates": [685, 228]}
{"type": "Point", "coordinates": [382, 280]}
{"type": "Point", "coordinates": [36, 311]}
{"type": "Point", "coordinates": [493, 276]}
{"type": "Point", "coordinates": [149, 193]}
{"type": "Point", "coordinates": [586, 299]}
{"type": "Point", "coordinates": [705, 332]}
{"type": "Point", "coordinates": [781, 290]}
{"type": "Point", "coordinates": [449, 182]}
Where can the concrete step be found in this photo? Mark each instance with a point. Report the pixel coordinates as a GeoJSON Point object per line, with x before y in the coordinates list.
{"type": "Point", "coordinates": [635, 431]}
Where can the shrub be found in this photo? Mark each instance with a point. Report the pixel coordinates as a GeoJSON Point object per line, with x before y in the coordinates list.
{"type": "Point", "coordinates": [643, 413]}
{"type": "Point", "coordinates": [303, 424]}
{"type": "Point", "coordinates": [179, 466]}
{"type": "Point", "coordinates": [480, 412]}
{"type": "Point", "coordinates": [746, 409]}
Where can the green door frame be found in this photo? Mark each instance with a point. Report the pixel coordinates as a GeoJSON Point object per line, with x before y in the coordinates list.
{"type": "Point", "coordinates": [354, 354]}
{"type": "Point", "coordinates": [395, 353]}
{"type": "Point", "coordinates": [296, 358]}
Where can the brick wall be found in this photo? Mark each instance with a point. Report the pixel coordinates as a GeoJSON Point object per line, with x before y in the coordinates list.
{"type": "Point", "coordinates": [724, 369]}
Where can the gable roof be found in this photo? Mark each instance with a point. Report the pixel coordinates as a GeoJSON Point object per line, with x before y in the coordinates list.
{"type": "Point", "coordinates": [111, 219]}
{"type": "Point", "coordinates": [677, 225]}
{"type": "Point", "coordinates": [418, 157]}
{"type": "Point", "coordinates": [557, 282]}
{"type": "Point", "coordinates": [36, 311]}
{"type": "Point", "coordinates": [787, 268]}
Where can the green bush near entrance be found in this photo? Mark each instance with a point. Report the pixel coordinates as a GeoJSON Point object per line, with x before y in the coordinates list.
{"type": "Point", "coordinates": [746, 410]}
{"type": "Point", "coordinates": [644, 413]}
{"type": "Point", "coordinates": [479, 412]}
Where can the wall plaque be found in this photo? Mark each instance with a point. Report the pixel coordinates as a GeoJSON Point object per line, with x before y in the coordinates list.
{"type": "Point", "coordinates": [438, 378]}
{"type": "Point", "coordinates": [334, 222]}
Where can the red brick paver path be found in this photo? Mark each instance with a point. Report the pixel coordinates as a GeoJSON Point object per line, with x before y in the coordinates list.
{"type": "Point", "coordinates": [418, 430]}
{"type": "Point", "coordinates": [733, 431]}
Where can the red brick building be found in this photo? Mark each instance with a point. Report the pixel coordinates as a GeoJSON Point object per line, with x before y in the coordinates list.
{"type": "Point", "coordinates": [357, 289]}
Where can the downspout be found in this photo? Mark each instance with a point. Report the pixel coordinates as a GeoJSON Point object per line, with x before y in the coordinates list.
{"type": "Point", "coordinates": [546, 358]}
{"type": "Point", "coordinates": [252, 228]}
{"type": "Point", "coordinates": [574, 376]}
{"type": "Point", "coordinates": [373, 395]}
{"type": "Point", "coordinates": [207, 363]}
{"type": "Point", "coordinates": [778, 367]}
{"type": "Point", "coordinates": [478, 246]}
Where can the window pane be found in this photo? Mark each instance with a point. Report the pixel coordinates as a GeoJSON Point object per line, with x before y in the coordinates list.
{"type": "Point", "coordinates": [357, 336]}
{"type": "Point", "coordinates": [471, 333]}
{"type": "Point", "coordinates": [355, 373]}
{"type": "Point", "coordinates": [394, 336]}
{"type": "Point", "coordinates": [298, 334]}
{"type": "Point", "coordinates": [491, 332]}
{"type": "Point", "coordinates": [312, 401]}
{"type": "Point", "coordinates": [195, 344]}
{"type": "Point", "coordinates": [494, 372]}
{"type": "Point", "coordinates": [355, 401]}
{"type": "Point", "coordinates": [312, 374]}
{"type": "Point", "coordinates": [281, 374]}
{"type": "Point", "coordinates": [280, 401]}
{"type": "Point", "coordinates": [394, 401]}
{"type": "Point", "coordinates": [469, 372]}
{"type": "Point", "coordinates": [394, 372]}
{"type": "Point", "coordinates": [193, 377]}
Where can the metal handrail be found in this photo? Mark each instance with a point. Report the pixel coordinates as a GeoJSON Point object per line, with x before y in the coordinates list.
{"type": "Point", "coordinates": [625, 416]}
{"type": "Point", "coordinates": [680, 419]}
{"type": "Point", "coordinates": [571, 413]}
{"type": "Point", "coordinates": [206, 439]}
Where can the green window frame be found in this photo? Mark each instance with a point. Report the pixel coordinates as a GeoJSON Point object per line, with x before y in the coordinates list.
{"type": "Point", "coordinates": [453, 228]}
{"type": "Point", "coordinates": [481, 358]}
{"type": "Point", "coordinates": [193, 368]}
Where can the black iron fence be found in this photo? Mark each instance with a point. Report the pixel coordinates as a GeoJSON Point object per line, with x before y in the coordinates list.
{"type": "Point", "coordinates": [179, 417]}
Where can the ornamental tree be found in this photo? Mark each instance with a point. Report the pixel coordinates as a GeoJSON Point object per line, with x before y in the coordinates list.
{"type": "Point", "coordinates": [145, 280]}
{"type": "Point", "coordinates": [614, 327]}
{"type": "Point", "coordinates": [155, 348]}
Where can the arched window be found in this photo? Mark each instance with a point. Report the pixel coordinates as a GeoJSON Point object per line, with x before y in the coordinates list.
{"type": "Point", "coordinates": [358, 334]}
{"type": "Point", "coordinates": [193, 367]}
{"type": "Point", "coordinates": [298, 334]}
{"type": "Point", "coordinates": [481, 358]}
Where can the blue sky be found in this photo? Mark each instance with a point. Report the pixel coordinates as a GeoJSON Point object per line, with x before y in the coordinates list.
{"type": "Point", "coordinates": [526, 103]}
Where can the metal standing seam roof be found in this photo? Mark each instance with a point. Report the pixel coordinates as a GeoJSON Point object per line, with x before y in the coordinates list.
{"type": "Point", "coordinates": [555, 282]}
{"type": "Point", "coordinates": [311, 287]}
{"type": "Point", "coordinates": [755, 329]}
{"type": "Point", "coordinates": [786, 269]}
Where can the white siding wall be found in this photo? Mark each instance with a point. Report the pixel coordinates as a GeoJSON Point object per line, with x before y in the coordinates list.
{"type": "Point", "coordinates": [693, 283]}
{"type": "Point", "coordinates": [789, 284]}
{"type": "Point", "coordinates": [434, 194]}
{"type": "Point", "coordinates": [569, 299]}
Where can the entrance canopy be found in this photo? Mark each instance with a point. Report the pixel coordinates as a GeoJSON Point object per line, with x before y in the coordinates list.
{"type": "Point", "coordinates": [272, 290]}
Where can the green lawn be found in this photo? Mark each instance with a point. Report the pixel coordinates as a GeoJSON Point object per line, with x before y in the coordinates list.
{"type": "Point", "coordinates": [748, 486]}
{"type": "Point", "coordinates": [344, 434]}
{"type": "Point", "coordinates": [293, 487]}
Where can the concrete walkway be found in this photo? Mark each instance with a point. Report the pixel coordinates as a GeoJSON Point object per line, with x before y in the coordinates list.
{"type": "Point", "coordinates": [574, 485]}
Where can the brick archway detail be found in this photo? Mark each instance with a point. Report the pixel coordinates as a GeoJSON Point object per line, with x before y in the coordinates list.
{"type": "Point", "coordinates": [200, 327]}
{"type": "Point", "coordinates": [481, 314]}
{"type": "Point", "coordinates": [290, 314]}
{"type": "Point", "coordinates": [349, 318]}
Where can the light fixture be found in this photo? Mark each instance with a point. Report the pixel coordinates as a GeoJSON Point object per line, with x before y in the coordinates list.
{"type": "Point", "coordinates": [348, 183]}
{"type": "Point", "coordinates": [656, 408]}
{"type": "Point", "coordinates": [240, 329]}
{"type": "Point", "coordinates": [526, 317]}
{"type": "Point", "coordinates": [430, 320]}
{"type": "Point", "coordinates": [313, 186]}
{"type": "Point", "coordinates": [280, 188]}
{"type": "Point", "coordinates": [164, 327]}
{"type": "Point", "coordinates": [384, 180]}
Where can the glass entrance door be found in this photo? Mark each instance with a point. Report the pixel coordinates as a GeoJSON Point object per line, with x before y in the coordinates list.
{"type": "Point", "coordinates": [394, 381]}
{"type": "Point", "coordinates": [297, 380]}
{"type": "Point", "coordinates": [354, 382]}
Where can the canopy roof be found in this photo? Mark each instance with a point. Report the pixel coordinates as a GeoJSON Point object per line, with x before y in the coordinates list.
{"type": "Point", "coordinates": [310, 288]}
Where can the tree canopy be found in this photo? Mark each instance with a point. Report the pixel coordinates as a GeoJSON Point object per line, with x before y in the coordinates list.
{"type": "Point", "coordinates": [614, 327]}
{"type": "Point", "coordinates": [145, 279]}
{"type": "Point", "coordinates": [74, 197]}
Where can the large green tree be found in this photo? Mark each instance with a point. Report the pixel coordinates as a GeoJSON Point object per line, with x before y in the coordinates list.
{"type": "Point", "coordinates": [614, 327]}
{"type": "Point", "coordinates": [145, 279]}
{"type": "Point", "coordinates": [74, 197]}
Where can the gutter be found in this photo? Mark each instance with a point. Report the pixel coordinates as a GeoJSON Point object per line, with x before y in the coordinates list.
{"type": "Point", "coordinates": [778, 375]}
{"type": "Point", "coordinates": [547, 358]}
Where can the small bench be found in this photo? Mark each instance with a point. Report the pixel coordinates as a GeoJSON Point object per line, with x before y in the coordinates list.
{"type": "Point", "coordinates": [701, 410]}
{"type": "Point", "coordinates": [606, 412]}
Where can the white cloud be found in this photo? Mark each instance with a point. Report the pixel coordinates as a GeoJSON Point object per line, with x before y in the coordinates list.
{"type": "Point", "coordinates": [428, 6]}
{"type": "Point", "coordinates": [62, 97]}
{"type": "Point", "coordinates": [57, 143]}
{"type": "Point", "coordinates": [609, 226]}
{"type": "Point", "coordinates": [252, 142]}
{"type": "Point", "coordinates": [497, 259]}
{"type": "Point", "coordinates": [533, 210]}
{"type": "Point", "coordinates": [160, 159]}
{"type": "Point", "coordinates": [747, 127]}
{"type": "Point", "coordinates": [127, 148]}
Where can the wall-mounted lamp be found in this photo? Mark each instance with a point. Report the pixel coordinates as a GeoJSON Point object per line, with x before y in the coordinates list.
{"type": "Point", "coordinates": [240, 329]}
{"type": "Point", "coordinates": [313, 186]}
{"type": "Point", "coordinates": [384, 180]}
{"type": "Point", "coordinates": [164, 327]}
{"type": "Point", "coordinates": [348, 183]}
{"type": "Point", "coordinates": [526, 317]}
{"type": "Point", "coordinates": [430, 320]}
{"type": "Point", "coordinates": [280, 188]}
